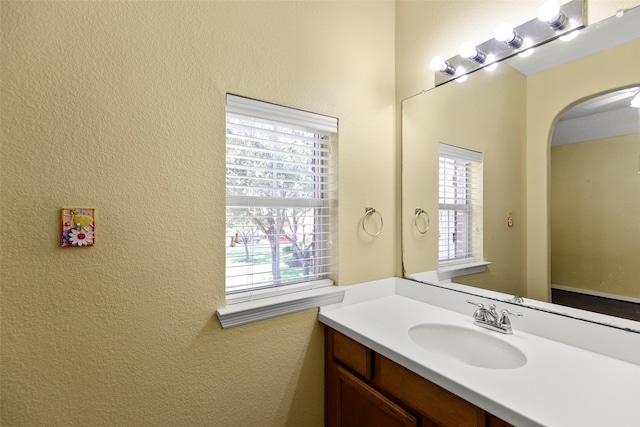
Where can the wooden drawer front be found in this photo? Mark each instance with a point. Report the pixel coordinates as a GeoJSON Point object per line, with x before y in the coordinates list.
{"type": "Point", "coordinates": [360, 405]}
{"type": "Point", "coordinates": [441, 406]}
{"type": "Point", "coordinates": [352, 353]}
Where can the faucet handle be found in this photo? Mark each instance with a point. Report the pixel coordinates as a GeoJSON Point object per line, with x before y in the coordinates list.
{"type": "Point", "coordinates": [480, 313]}
{"type": "Point", "coordinates": [508, 313]}
{"type": "Point", "coordinates": [492, 309]}
{"type": "Point", "coordinates": [504, 319]}
{"type": "Point", "coordinates": [504, 323]}
{"type": "Point", "coordinates": [475, 303]}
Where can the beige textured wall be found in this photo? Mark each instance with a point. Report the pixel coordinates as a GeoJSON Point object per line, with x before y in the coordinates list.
{"type": "Point", "coordinates": [452, 114]}
{"type": "Point", "coordinates": [120, 106]}
{"type": "Point", "coordinates": [595, 206]}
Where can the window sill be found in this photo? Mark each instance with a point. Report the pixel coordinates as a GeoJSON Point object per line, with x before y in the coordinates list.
{"type": "Point", "coordinates": [266, 308]}
{"type": "Point", "coordinates": [456, 270]}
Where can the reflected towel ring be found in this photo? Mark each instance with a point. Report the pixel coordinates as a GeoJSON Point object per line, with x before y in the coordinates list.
{"type": "Point", "coordinates": [369, 212]}
{"type": "Point", "coordinates": [420, 211]}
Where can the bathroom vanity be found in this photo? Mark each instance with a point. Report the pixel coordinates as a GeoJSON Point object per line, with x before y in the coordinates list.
{"type": "Point", "coordinates": [366, 388]}
{"type": "Point", "coordinates": [402, 353]}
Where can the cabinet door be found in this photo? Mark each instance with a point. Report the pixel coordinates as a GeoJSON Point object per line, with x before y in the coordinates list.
{"type": "Point", "coordinates": [360, 405]}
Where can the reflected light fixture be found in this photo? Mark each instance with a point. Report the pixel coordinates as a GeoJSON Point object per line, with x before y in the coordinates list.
{"type": "Point", "coordinates": [635, 102]}
{"type": "Point", "coordinates": [491, 67]}
{"type": "Point", "coordinates": [526, 53]}
{"type": "Point", "coordinates": [506, 34]}
{"type": "Point", "coordinates": [472, 53]}
{"type": "Point", "coordinates": [462, 75]}
{"type": "Point", "coordinates": [439, 64]}
{"type": "Point", "coordinates": [492, 63]}
{"type": "Point", "coordinates": [550, 13]}
{"type": "Point", "coordinates": [570, 36]}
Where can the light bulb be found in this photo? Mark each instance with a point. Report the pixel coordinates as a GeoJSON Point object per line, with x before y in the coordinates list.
{"type": "Point", "coordinates": [550, 13]}
{"type": "Point", "coordinates": [462, 79]}
{"type": "Point", "coordinates": [439, 64]}
{"type": "Point", "coordinates": [505, 33]}
{"type": "Point", "coordinates": [470, 51]}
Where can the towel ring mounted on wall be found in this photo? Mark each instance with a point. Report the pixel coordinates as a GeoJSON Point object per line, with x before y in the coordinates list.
{"type": "Point", "coordinates": [369, 212]}
{"type": "Point", "coordinates": [420, 211]}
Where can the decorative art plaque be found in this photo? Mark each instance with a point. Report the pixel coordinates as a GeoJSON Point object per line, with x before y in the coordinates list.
{"type": "Point", "coordinates": [78, 227]}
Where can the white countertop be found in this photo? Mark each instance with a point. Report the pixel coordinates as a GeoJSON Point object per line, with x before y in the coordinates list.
{"type": "Point", "coordinates": [560, 385]}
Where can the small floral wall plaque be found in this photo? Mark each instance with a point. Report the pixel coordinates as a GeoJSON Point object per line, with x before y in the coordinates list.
{"type": "Point", "coordinates": [78, 227]}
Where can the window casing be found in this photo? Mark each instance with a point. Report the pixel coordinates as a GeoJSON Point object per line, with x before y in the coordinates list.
{"type": "Point", "coordinates": [280, 197]}
{"type": "Point", "coordinates": [460, 205]}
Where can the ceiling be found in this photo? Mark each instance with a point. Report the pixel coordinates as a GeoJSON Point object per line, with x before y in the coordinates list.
{"type": "Point", "coordinates": [604, 116]}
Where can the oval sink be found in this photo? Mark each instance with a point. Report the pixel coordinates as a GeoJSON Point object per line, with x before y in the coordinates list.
{"type": "Point", "coordinates": [467, 346]}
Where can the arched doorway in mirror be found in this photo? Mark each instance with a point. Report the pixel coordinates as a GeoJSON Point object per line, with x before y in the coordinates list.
{"type": "Point", "coordinates": [595, 205]}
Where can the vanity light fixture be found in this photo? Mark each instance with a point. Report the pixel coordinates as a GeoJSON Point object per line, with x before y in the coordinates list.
{"type": "Point", "coordinates": [550, 13]}
{"type": "Point", "coordinates": [507, 35]}
{"type": "Point", "coordinates": [553, 21]}
{"type": "Point", "coordinates": [472, 53]}
{"type": "Point", "coordinates": [439, 64]}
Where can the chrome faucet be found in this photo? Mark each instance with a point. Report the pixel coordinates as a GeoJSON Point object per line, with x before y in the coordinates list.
{"type": "Point", "coordinates": [488, 318]}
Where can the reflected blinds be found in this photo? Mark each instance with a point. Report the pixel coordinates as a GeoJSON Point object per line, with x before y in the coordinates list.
{"type": "Point", "coordinates": [460, 200]}
{"type": "Point", "coordinates": [280, 189]}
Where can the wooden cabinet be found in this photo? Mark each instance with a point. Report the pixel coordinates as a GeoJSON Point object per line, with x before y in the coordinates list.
{"type": "Point", "coordinates": [363, 388]}
{"type": "Point", "coordinates": [361, 405]}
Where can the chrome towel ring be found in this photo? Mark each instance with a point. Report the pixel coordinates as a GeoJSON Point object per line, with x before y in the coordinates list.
{"type": "Point", "coordinates": [420, 211]}
{"type": "Point", "coordinates": [369, 212]}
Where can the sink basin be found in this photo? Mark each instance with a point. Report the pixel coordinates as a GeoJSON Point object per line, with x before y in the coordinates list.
{"type": "Point", "coordinates": [468, 346]}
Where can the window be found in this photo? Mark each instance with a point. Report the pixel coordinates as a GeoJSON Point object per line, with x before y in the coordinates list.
{"type": "Point", "coordinates": [460, 210]}
{"type": "Point", "coordinates": [280, 191]}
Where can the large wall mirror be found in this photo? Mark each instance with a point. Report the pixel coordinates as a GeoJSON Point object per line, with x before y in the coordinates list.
{"type": "Point", "coordinates": [531, 228]}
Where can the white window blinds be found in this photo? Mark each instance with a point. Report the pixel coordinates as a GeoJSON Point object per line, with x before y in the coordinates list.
{"type": "Point", "coordinates": [280, 191]}
{"type": "Point", "coordinates": [460, 199]}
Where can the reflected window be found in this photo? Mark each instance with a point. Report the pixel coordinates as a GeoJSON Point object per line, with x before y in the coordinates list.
{"type": "Point", "coordinates": [460, 205]}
